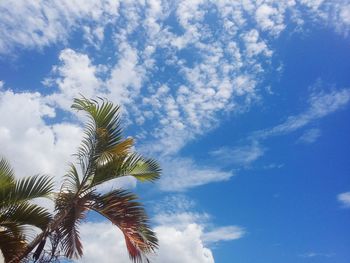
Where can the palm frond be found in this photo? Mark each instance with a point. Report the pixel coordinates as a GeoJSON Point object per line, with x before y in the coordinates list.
{"type": "Point", "coordinates": [6, 174]}
{"type": "Point", "coordinates": [25, 213]}
{"type": "Point", "coordinates": [145, 169]}
{"type": "Point", "coordinates": [74, 209]}
{"type": "Point", "coordinates": [103, 131]}
{"type": "Point", "coordinates": [133, 164]}
{"type": "Point", "coordinates": [12, 242]}
{"type": "Point", "coordinates": [26, 189]}
{"type": "Point", "coordinates": [72, 180]}
{"type": "Point", "coordinates": [121, 209]}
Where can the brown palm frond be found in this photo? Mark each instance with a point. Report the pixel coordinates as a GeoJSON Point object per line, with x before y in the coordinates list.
{"type": "Point", "coordinates": [121, 209]}
{"type": "Point", "coordinates": [74, 209]}
{"type": "Point", "coordinates": [12, 241]}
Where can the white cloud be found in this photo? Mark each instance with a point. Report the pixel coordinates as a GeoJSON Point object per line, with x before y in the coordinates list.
{"type": "Point", "coordinates": [36, 24]}
{"type": "Point", "coordinates": [221, 74]}
{"type": "Point", "coordinates": [310, 136]}
{"type": "Point", "coordinates": [223, 234]}
{"type": "Point", "coordinates": [126, 77]}
{"type": "Point", "coordinates": [344, 199]}
{"type": "Point", "coordinates": [109, 244]}
{"type": "Point", "coordinates": [270, 19]}
{"type": "Point", "coordinates": [28, 143]}
{"type": "Point", "coordinates": [321, 104]}
{"type": "Point", "coordinates": [180, 220]}
{"type": "Point", "coordinates": [313, 4]}
{"type": "Point", "coordinates": [178, 212]}
{"type": "Point", "coordinates": [75, 76]}
{"type": "Point", "coordinates": [180, 174]}
{"type": "Point", "coordinates": [255, 47]}
{"type": "Point", "coordinates": [216, 81]}
{"type": "Point", "coordinates": [345, 14]}
{"type": "Point", "coordinates": [187, 245]}
{"type": "Point", "coordinates": [316, 254]}
{"type": "Point", "coordinates": [240, 156]}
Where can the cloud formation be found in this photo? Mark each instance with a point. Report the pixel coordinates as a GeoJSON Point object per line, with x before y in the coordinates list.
{"type": "Point", "coordinates": [344, 199]}
{"type": "Point", "coordinates": [310, 136]}
{"type": "Point", "coordinates": [321, 104]}
{"type": "Point", "coordinates": [180, 174]}
{"type": "Point", "coordinates": [29, 143]}
{"type": "Point", "coordinates": [174, 68]}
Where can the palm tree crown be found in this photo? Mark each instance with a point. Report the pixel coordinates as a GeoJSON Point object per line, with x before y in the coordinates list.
{"type": "Point", "coordinates": [104, 155]}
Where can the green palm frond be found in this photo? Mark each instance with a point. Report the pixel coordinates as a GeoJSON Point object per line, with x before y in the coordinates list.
{"type": "Point", "coordinates": [105, 155]}
{"type": "Point", "coordinates": [6, 174]}
{"type": "Point", "coordinates": [26, 213]}
{"type": "Point", "coordinates": [72, 180]}
{"type": "Point", "coordinates": [144, 169]}
{"type": "Point", "coordinates": [33, 187]}
{"type": "Point", "coordinates": [26, 189]}
{"type": "Point", "coordinates": [15, 192]}
{"type": "Point", "coordinates": [103, 131]}
{"type": "Point", "coordinates": [121, 209]}
{"type": "Point", "coordinates": [16, 211]}
{"type": "Point", "coordinates": [133, 164]}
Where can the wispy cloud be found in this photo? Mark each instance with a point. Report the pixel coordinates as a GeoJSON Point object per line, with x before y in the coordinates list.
{"type": "Point", "coordinates": [316, 254]}
{"type": "Point", "coordinates": [223, 75]}
{"type": "Point", "coordinates": [344, 199]}
{"type": "Point", "coordinates": [224, 233]}
{"type": "Point", "coordinates": [180, 218]}
{"type": "Point", "coordinates": [310, 136]}
{"type": "Point", "coordinates": [180, 174]}
{"type": "Point", "coordinates": [239, 156]}
{"type": "Point", "coordinates": [321, 104]}
{"type": "Point", "coordinates": [43, 23]}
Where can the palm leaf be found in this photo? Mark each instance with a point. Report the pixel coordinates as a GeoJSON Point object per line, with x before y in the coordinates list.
{"type": "Point", "coordinates": [25, 213]}
{"type": "Point", "coordinates": [12, 242]}
{"type": "Point", "coordinates": [133, 164]}
{"type": "Point", "coordinates": [121, 209]}
{"type": "Point", "coordinates": [72, 180]}
{"type": "Point", "coordinates": [26, 189]}
{"type": "Point", "coordinates": [103, 131]}
{"type": "Point", "coordinates": [144, 169]}
{"type": "Point", "coordinates": [6, 174]}
{"type": "Point", "coordinates": [74, 209]}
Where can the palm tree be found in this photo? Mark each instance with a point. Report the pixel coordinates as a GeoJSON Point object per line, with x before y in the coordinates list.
{"type": "Point", "coordinates": [104, 155]}
{"type": "Point", "coordinates": [16, 210]}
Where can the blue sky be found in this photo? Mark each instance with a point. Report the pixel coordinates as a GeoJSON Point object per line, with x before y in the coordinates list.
{"type": "Point", "coordinates": [244, 103]}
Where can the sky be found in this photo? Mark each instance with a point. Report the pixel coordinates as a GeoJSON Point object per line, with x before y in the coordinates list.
{"type": "Point", "coordinates": [245, 104]}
